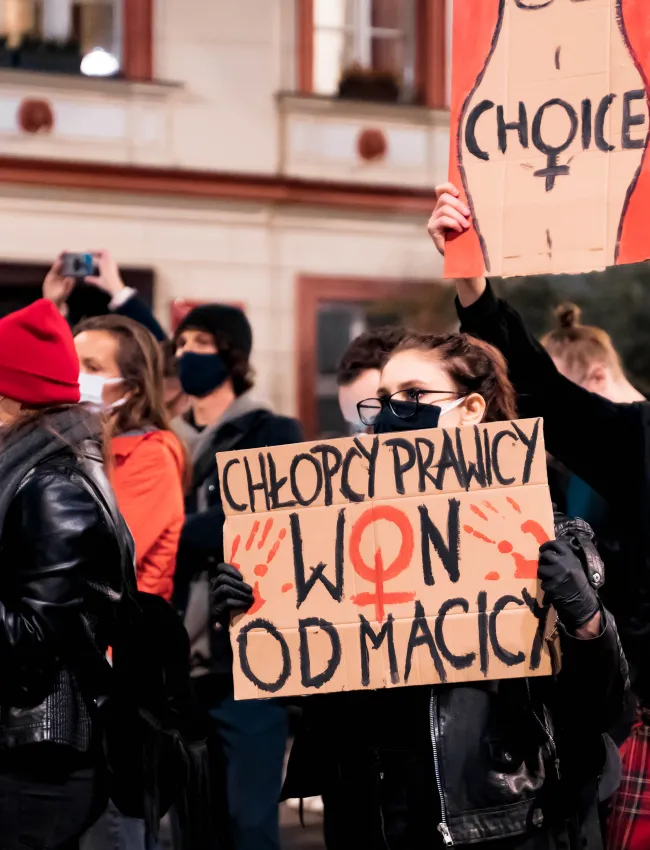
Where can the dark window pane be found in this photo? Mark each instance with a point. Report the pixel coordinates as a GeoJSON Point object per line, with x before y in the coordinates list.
{"type": "Point", "coordinates": [333, 334]}
{"type": "Point", "coordinates": [388, 55]}
{"type": "Point", "coordinates": [330, 420]}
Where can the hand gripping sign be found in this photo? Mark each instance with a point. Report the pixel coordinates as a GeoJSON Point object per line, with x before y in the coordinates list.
{"type": "Point", "coordinates": [549, 135]}
{"type": "Point", "coordinates": [389, 561]}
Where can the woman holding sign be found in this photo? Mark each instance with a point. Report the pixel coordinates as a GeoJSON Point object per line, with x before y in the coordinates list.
{"type": "Point", "coordinates": [506, 764]}
{"type": "Point", "coordinates": [606, 443]}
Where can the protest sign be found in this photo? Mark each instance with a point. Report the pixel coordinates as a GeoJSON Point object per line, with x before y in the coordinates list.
{"type": "Point", "coordinates": [387, 561]}
{"type": "Point", "coordinates": [549, 135]}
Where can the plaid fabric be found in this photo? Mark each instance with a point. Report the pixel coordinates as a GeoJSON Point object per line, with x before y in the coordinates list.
{"type": "Point", "coordinates": [628, 826]}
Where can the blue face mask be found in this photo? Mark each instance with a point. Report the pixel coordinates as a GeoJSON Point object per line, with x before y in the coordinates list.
{"type": "Point", "coordinates": [201, 374]}
{"type": "Point", "coordinates": [413, 417]}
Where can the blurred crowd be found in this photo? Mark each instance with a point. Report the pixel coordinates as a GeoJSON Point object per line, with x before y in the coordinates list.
{"type": "Point", "coordinates": [117, 701]}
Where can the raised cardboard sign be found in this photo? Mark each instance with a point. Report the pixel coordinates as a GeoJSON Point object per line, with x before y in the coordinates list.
{"type": "Point", "coordinates": [386, 561]}
{"type": "Point", "coordinates": [549, 135]}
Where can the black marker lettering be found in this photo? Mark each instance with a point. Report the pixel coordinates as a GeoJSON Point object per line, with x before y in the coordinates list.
{"type": "Point", "coordinates": [421, 634]}
{"type": "Point", "coordinates": [303, 584]}
{"type": "Point", "coordinates": [424, 463]}
{"type": "Point", "coordinates": [487, 454]}
{"type": "Point", "coordinates": [293, 475]}
{"type": "Point", "coordinates": [309, 679]}
{"type": "Point", "coordinates": [329, 472]}
{"type": "Point", "coordinates": [599, 127]}
{"type": "Point", "coordinates": [531, 445]}
{"type": "Point", "coordinates": [521, 126]}
{"type": "Point", "coordinates": [504, 655]}
{"type": "Point", "coordinates": [400, 467]}
{"type": "Point", "coordinates": [263, 485]}
{"type": "Point", "coordinates": [371, 457]}
{"type": "Point", "coordinates": [226, 486]}
{"type": "Point", "coordinates": [346, 490]}
{"type": "Point", "coordinates": [471, 470]}
{"type": "Point", "coordinates": [275, 485]}
{"type": "Point", "coordinates": [496, 441]}
{"type": "Point", "coordinates": [586, 123]}
{"type": "Point", "coordinates": [449, 552]}
{"type": "Point", "coordinates": [630, 120]}
{"type": "Point", "coordinates": [385, 634]}
{"type": "Point", "coordinates": [553, 169]}
{"type": "Point", "coordinates": [448, 460]}
{"type": "Point", "coordinates": [541, 613]}
{"type": "Point", "coordinates": [242, 640]}
{"type": "Point", "coordinates": [458, 662]}
{"type": "Point", "coordinates": [470, 129]}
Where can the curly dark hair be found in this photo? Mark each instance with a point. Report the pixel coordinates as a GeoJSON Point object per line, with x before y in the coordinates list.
{"type": "Point", "coordinates": [367, 351]}
{"type": "Point", "coordinates": [238, 364]}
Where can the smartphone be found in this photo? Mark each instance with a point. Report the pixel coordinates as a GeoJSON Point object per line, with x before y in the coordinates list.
{"type": "Point", "coordinates": [78, 266]}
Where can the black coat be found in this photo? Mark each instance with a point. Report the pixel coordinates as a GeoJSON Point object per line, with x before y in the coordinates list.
{"type": "Point", "coordinates": [60, 585]}
{"type": "Point", "coordinates": [606, 444]}
{"type": "Point", "coordinates": [201, 545]}
{"type": "Point", "coordinates": [510, 763]}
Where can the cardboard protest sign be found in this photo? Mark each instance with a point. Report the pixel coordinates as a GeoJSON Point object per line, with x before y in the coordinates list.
{"type": "Point", "coordinates": [549, 135]}
{"type": "Point", "coordinates": [386, 561]}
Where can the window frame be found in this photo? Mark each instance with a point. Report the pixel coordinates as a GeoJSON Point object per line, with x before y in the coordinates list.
{"type": "Point", "coordinates": [136, 19]}
{"type": "Point", "coordinates": [137, 40]}
{"type": "Point", "coordinates": [430, 51]}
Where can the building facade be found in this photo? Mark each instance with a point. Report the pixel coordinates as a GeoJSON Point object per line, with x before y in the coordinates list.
{"type": "Point", "coordinates": [278, 154]}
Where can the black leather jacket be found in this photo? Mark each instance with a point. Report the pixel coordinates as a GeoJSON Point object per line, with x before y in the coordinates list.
{"type": "Point", "coordinates": [60, 584]}
{"type": "Point", "coordinates": [471, 762]}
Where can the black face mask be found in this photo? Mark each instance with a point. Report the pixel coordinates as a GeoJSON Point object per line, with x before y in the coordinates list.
{"type": "Point", "coordinates": [420, 417]}
{"type": "Point", "coordinates": [201, 374]}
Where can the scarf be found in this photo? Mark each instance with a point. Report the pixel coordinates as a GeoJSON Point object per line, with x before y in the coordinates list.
{"type": "Point", "coordinates": [26, 446]}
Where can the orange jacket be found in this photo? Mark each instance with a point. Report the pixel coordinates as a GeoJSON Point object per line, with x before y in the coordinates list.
{"type": "Point", "coordinates": [147, 479]}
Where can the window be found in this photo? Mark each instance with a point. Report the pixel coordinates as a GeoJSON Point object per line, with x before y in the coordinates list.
{"type": "Point", "coordinates": [367, 43]}
{"type": "Point", "coordinates": [93, 37]}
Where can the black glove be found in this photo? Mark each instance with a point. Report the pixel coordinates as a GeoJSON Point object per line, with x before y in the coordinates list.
{"type": "Point", "coordinates": [229, 594]}
{"type": "Point", "coordinates": [566, 586]}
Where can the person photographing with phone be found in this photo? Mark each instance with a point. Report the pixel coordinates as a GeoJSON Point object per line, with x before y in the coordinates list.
{"type": "Point", "coordinates": [85, 285]}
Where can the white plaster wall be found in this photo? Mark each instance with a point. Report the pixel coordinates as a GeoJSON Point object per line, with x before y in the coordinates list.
{"type": "Point", "coordinates": [231, 252]}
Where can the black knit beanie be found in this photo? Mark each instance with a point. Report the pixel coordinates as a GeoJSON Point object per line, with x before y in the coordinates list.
{"type": "Point", "coordinates": [220, 320]}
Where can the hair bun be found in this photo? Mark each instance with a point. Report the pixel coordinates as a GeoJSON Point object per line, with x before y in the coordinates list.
{"type": "Point", "coordinates": [568, 315]}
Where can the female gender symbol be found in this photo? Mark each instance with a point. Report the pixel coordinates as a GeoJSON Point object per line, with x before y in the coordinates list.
{"type": "Point", "coordinates": [379, 575]}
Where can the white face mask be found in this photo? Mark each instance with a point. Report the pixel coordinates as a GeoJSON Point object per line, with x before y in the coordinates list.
{"type": "Point", "coordinates": [91, 388]}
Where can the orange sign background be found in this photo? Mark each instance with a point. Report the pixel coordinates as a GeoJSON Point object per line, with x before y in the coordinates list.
{"type": "Point", "coordinates": [509, 52]}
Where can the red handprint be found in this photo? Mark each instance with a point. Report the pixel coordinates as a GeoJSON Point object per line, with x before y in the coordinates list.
{"type": "Point", "coordinates": [260, 569]}
{"type": "Point", "coordinates": [525, 568]}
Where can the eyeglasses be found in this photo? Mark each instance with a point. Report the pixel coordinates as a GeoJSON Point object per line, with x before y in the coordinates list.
{"type": "Point", "coordinates": [404, 404]}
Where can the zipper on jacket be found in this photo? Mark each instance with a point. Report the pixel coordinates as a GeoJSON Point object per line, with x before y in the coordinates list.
{"type": "Point", "coordinates": [547, 731]}
{"type": "Point", "coordinates": [443, 826]}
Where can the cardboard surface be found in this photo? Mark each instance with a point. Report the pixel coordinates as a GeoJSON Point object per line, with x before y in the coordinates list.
{"type": "Point", "coordinates": [549, 135]}
{"type": "Point", "coordinates": [387, 561]}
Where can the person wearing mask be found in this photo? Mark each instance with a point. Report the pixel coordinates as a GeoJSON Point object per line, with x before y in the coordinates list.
{"type": "Point", "coordinates": [61, 584]}
{"type": "Point", "coordinates": [507, 781]}
{"type": "Point", "coordinates": [607, 444]}
{"type": "Point", "coordinates": [116, 297]}
{"type": "Point", "coordinates": [122, 375]}
{"type": "Point", "coordinates": [359, 370]}
{"type": "Point", "coordinates": [213, 347]}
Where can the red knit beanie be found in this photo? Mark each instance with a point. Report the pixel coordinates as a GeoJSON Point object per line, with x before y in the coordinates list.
{"type": "Point", "coordinates": [38, 362]}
